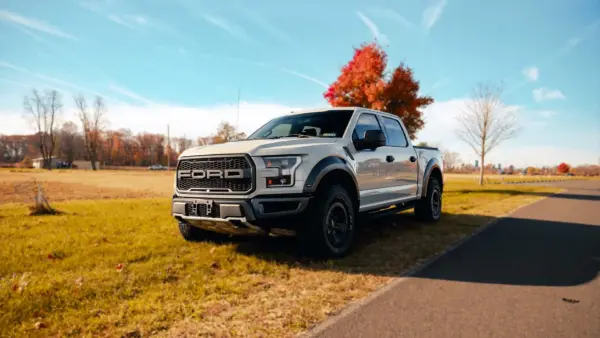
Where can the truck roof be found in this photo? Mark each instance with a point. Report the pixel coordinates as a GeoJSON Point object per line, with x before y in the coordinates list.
{"type": "Point", "coordinates": [315, 110]}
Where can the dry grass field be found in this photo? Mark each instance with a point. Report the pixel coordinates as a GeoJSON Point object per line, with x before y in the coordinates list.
{"type": "Point", "coordinates": [113, 263]}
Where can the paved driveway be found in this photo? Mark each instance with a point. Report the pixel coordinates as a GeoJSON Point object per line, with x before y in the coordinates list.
{"type": "Point", "coordinates": [534, 274]}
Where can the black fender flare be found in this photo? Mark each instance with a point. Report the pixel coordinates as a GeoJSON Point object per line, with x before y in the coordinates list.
{"type": "Point", "coordinates": [431, 165]}
{"type": "Point", "coordinates": [325, 166]}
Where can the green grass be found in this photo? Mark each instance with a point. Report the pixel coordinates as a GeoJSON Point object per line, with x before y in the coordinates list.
{"type": "Point", "coordinates": [64, 270]}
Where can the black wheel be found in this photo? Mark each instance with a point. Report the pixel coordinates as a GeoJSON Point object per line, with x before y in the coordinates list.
{"type": "Point", "coordinates": [429, 208]}
{"type": "Point", "coordinates": [329, 226]}
{"type": "Point", "coordinates": [193, 234]}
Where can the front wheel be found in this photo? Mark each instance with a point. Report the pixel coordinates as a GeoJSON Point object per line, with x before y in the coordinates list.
{"type": "Point", "coordinates": [329, 227]}
{"type": "Point", "coordinates": [429, 208]}
{"type": "Point", "coordinates": [193, 234]}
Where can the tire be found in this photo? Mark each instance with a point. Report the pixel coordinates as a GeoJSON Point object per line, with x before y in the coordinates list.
{"type": "Point", "coordinates": [429, 208]}
{"type": "Point", "coordinates": [193, 234]}
{"type": "Point", "coordinates": [318, 235]}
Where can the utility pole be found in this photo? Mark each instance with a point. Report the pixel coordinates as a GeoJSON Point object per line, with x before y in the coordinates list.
{"type": "Point", "coordinates": [168, 148]}
{"type": "Point", "coordinates": [237, 121]}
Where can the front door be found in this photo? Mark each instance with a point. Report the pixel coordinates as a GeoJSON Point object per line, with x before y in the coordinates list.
{"type": "Point", "coordinates": [372, 165]}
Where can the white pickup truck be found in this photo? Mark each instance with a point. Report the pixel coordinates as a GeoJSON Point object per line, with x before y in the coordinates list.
{"type": "Point", "coordinates": [310, 174]}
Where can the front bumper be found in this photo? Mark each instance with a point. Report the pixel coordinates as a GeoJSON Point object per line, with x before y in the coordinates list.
{"type": "Point", "coordinates": [258, 215]}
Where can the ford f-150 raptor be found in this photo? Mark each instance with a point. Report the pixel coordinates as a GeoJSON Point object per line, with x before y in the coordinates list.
{"type": "Point", "coordinates": [308, 173]}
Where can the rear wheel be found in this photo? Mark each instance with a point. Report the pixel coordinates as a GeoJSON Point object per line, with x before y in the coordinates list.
{"type": "Point", "coordinates": [329, 226]}
{"type": "Point", "coordinates": [429, 208]}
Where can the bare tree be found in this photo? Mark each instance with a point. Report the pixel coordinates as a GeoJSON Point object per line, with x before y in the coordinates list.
{"type": "Point", "coordinates": [42, 111]}
{"type": "Point", "coordinates": [92, 120]}
{"type": "Point", "coordinates": [226, 132]}
{"type": "Point", "coordinates": [486, 122]}
{"type": "Point", "coordinates": [183, 143]}
{"type": "Point", "coordinates": [451, 161]}
{"type": "Point", "coordinates": [68, 139]}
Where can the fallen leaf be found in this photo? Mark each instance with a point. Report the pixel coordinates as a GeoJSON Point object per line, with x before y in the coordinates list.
{"type": "Point", "coordinates": [120, 267]}
{"type": "Point", "coordinates": [39, 325]}
{"type": "Point", "coordinates": [79, 281]}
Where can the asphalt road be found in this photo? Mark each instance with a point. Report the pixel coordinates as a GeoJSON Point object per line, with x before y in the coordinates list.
{"type": "Point", "coordinates": [534, 274]}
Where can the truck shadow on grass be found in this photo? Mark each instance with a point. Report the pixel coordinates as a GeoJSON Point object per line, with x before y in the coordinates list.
{"type": "Point", "coordinates": [513, 251]}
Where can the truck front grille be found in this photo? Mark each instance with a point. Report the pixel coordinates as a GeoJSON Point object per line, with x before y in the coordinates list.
{"type": "Point", "coordinates": [218, 182]}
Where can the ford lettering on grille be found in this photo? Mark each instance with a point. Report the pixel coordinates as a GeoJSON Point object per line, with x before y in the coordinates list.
{"type": "Point", "coordinates": [215, 175]}
{"type": "Point", "coordinates": [202, 174]}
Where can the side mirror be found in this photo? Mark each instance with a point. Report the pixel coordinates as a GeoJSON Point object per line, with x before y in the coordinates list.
{"type": "Point", "coordinates": [373, 140]}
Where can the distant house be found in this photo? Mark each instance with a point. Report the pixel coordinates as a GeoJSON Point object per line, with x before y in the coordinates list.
{"type": "Point", "coordinates": [38, 163]}
{"type": "Point", "coordinates": [81, 164]}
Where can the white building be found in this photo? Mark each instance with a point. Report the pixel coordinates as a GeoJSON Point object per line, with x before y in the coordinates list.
{"type": "Point", "coordinates": [38, 163]}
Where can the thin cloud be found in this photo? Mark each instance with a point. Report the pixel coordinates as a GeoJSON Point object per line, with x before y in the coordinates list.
{"type": "Point", "coordinates": [547, 113]}
{"type": "Point", "coordinates": [129, 93]}
{"type": "Point", "coordinates": [225, 25]}
{"type": "Point", "coordinates": [268, 66]}
{"type": "Point", "coordinates": [545, 94]}
{"type": "Point", "coordinates": [35, 24]}
{"type": "Point", "coordinates": [575, 40]}
{"type": "Point", "coordinates": [531, 73]}
{"type": "Point", "coordinates": [267, 26]}
{"type": "Point", "coordinates": [377, 35]}
{"type": "Point", "coordinates": [439, 83]}
{"type": "Point", "coordinates": [390, 14]}
{"type": "Point", "coordinates": [16, 83]}
{"type": "Point", "coordinates": [123, 22]}
{"type": "Point", "coordinates": [433, 13]}
{"type": "Point", "coordinates": [304, 76]}
{"type": "Point", "coordinates": [48, 78]}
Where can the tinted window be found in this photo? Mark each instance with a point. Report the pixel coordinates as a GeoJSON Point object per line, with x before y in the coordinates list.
{"type": "Point", "coordinates": [395, 134]}
{"type": "Point", "coordinates": [365, 122]}
{"type": "Point", "coordinates": [330, 123]}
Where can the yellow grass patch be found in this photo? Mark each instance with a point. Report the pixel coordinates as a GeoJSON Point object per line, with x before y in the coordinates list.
{"type": "Point", "coordinates": [114, 267]}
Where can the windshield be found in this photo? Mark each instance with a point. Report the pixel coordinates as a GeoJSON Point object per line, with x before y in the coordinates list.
{"type": "Point", "coordinates": [330, 123]}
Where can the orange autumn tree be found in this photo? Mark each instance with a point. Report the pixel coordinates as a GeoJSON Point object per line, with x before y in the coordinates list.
{"type": "Point", "coordinates": [563, 168]}
{"type": "Point", "coordinates": [364, 82]}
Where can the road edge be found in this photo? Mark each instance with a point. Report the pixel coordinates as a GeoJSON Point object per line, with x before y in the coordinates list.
{"type": "Point", "coordinates": [354, 306]}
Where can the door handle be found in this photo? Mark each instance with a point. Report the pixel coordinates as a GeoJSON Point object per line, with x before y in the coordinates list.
{"type": "Point", "coordinates": [389, 158]}
{"type": "Point", "coordinates": [413, 159]}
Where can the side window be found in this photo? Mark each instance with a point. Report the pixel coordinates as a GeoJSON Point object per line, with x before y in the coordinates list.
{"type": "Point", "coordinates": [365, 122]}
{"type": "Point", "coordinates": [396, 137]}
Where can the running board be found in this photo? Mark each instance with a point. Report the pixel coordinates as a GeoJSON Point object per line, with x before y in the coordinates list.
{"type": "Point", "coordinates": [394, 209]}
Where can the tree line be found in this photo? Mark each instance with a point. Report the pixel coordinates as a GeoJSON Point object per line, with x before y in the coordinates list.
{"type": "Point", "coordinates": [88, 139]}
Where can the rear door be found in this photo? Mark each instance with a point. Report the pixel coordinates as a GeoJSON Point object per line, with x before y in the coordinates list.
{"type": "Point", "coordinates": [401, 160]}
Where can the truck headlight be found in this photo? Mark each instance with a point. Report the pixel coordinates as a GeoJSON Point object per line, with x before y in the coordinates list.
{"type": "Point", "coordinates": [286, 168]}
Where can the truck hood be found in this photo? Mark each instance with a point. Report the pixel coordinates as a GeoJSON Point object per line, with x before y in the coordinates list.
{"type": "Point", "coordinates": [262, 147]}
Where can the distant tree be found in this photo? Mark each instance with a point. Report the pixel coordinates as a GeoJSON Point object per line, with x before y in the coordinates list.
{"type": "Point", "coordinates": [204, 141]}
{"type": "Point", "coordinates": [510, 170]}
{"type": "Point", "coordinates": [451, 160]}
{"type": "Point", "coordinates": [226, 132]}
{"type": "Point", "coordinates": [563, 168]}
{"type": "Point", "coordinates": [485, 122]}
{"type": "Point", "coordinates": [67, 136]}
{"type": "Point", "coordinates": [364, 82]}
{"type": "Point", "coordinates": [42, 110]}
{"type": "Point", "coordinates": [531, 170]}
{"type": "Point", "coordinates": [422, 144]}
{"type": "Point", "coordinates": [183, 143]}
{"type": "Point", "coordinates": [92, 122]}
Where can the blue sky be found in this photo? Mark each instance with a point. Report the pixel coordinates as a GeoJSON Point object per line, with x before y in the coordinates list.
{"type": "Point", "coordinates": [172, 61]}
